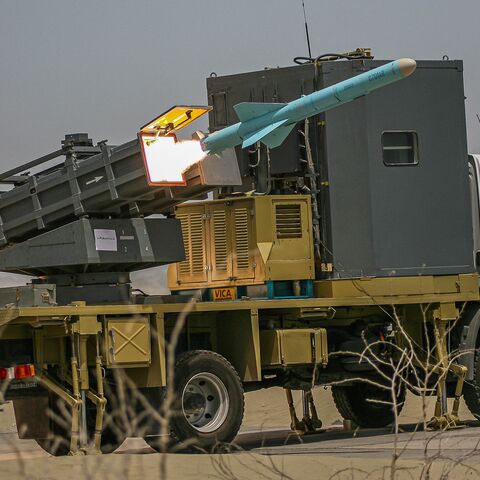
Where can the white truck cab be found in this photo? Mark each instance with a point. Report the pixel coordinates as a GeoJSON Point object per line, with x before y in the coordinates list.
{"type": "Point", "coordinates": [474, 175]}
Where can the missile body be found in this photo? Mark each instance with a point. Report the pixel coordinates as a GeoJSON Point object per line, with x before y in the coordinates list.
{"type": "Point", "coordinates": [271, 123]}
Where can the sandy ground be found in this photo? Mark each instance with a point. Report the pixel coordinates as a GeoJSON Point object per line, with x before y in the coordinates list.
{"type": "Point", "coordinates": [247, 466]}
{"type": "Point", "coordinates": [7, 419]}
{"type": "Point", "coordinates": [266, 410]}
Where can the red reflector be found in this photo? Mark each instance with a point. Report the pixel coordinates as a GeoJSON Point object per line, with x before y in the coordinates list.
{"type": "Point", "coordinates": [24, 371]}
{"type": "Point", "coordinates": [3, 373]}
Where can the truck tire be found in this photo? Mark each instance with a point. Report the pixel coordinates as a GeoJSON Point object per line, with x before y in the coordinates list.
{"type": "Point", "coordinates": [58, 443]}
{"type": "Point", "coordinates": [354, 403]}
{"type": "Point", "coordinates": [471, 389]}
{"type": "Point", "coordinates": [209, 403]}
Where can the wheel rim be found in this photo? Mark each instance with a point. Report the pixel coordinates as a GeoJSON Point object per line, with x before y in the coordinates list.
{"type": "Point", "coordinates": [205, 402]}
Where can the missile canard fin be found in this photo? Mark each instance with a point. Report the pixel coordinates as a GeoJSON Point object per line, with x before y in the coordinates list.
{"type": "Point", "coordinates": [247, 110]}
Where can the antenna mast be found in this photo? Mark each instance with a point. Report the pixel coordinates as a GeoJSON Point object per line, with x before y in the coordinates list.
{"type": "Point", "coordinates": [306, 30]}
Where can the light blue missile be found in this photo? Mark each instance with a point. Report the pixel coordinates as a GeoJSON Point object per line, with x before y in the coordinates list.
{"type": "Point", "coordinates": [270, 123]}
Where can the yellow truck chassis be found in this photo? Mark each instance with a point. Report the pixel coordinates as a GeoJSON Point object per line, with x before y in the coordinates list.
{"type": "Point", "coordinates": [256, 336]}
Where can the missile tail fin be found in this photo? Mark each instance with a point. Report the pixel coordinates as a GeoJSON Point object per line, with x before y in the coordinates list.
{"type": "Point", "coordinates": [272, 136]}
{"type": "Point", "coordinates": [278, 136]}
{"type": "Point", "coordinates": [247, 110]}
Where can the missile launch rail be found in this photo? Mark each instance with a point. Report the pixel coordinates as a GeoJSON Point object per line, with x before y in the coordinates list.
{"type": "Point", "coordinates": [255, 301]}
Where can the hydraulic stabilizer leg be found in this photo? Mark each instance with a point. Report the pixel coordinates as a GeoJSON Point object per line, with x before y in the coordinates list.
{"type": "Point", "coordinates": [310, 417]}
{"type": "Point", "coordinates": [310, 422]}
{"type": "Point", "coordinates": [443, 419]}
{"type": "Point", "coordinates": [76, 409]}
{"type": "Point", "coordinates": [314, 420]}
{"type": "Point", "coordinates": [295, 424]}
{"type": "Point", "coordinates": [461, 372]}
{"type": "Point", "coordinates": [98, 398]}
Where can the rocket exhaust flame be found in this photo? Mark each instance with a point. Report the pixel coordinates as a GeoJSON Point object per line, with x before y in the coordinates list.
{"type": "Point", "coordinates": [166, 159]}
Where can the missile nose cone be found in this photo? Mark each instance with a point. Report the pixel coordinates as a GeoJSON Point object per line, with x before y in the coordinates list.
{"type": "Point", "coordinates": [407, 66]}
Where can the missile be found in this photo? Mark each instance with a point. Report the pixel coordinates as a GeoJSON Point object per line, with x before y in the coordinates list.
{"type": "Point", "coordinates": [270, 123]}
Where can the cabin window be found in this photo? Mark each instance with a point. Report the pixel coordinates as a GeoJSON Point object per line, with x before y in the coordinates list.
{"type": "Point", "coordinates": [400, 148]}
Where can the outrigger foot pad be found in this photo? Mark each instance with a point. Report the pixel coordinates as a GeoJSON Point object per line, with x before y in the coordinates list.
{"type": "Point", "coordinates": [310, 422]}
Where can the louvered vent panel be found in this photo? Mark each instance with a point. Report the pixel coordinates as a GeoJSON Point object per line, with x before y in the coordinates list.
{"type": "Point", "coordinates": [193, 239]}
{"type": "Point", "coordinates": [220, 239]}
{"type": "Point", "coordinates": [197, 243]}
{"type": "Point", "coordinates": [288, 221]}
{"type": "Point", "coordinates": [184, 267]}
{"type": "Point", "coordinates": [241, 238]}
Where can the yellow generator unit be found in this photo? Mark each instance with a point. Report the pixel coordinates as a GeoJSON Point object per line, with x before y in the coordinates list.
{"type": "Point", "coordinates": [247, 241]}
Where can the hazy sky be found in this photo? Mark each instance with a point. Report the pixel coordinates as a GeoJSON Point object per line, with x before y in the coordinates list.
{"type": "Point", "coordinates": [108, 66]}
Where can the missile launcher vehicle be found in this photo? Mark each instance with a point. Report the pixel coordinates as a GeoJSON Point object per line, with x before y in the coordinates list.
{"type": "Point", "coordinates": [341, 237]}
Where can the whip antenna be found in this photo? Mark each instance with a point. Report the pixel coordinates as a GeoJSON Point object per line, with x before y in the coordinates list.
{"type": "Point", "coordinates": [306, 30]}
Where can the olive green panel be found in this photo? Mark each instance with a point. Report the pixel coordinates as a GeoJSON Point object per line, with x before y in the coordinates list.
{"type": "Point", "coordinates": [396, 286]}
{"type": "Point", "coordinates": [155, 374]}
{"type": "Point", "coordinates": [15, 332]}
{"type": "Point", "coordinates": [287, 244]}
{"type": "Point", "coordinates": [238, 341]}
{"type": "Point", "coordinates": [127, 341]}
{"type": "Point", "coordinates": [282, 347]}
{"type": "Point", "coordinates": [411, 329]}
{"type": "Point", "coordinates": [49, 346]}
{"type": "Point", "coordinates": [446, 311]}
{"type": "Point", "coordinates": [87, 325]}
{"type": "Point", "coordinates": [270, 348]}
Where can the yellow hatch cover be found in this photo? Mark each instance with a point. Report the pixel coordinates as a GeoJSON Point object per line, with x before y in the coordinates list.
{"type": "Point", "coordinates": [174, 119]}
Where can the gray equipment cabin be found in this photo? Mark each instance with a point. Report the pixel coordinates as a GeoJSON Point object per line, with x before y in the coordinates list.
{"type": "Point", "coordinates": [391, 168]}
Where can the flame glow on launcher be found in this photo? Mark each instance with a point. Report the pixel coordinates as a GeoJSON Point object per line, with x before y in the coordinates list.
{"type": "Point", "coordinates": [167, 159]}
